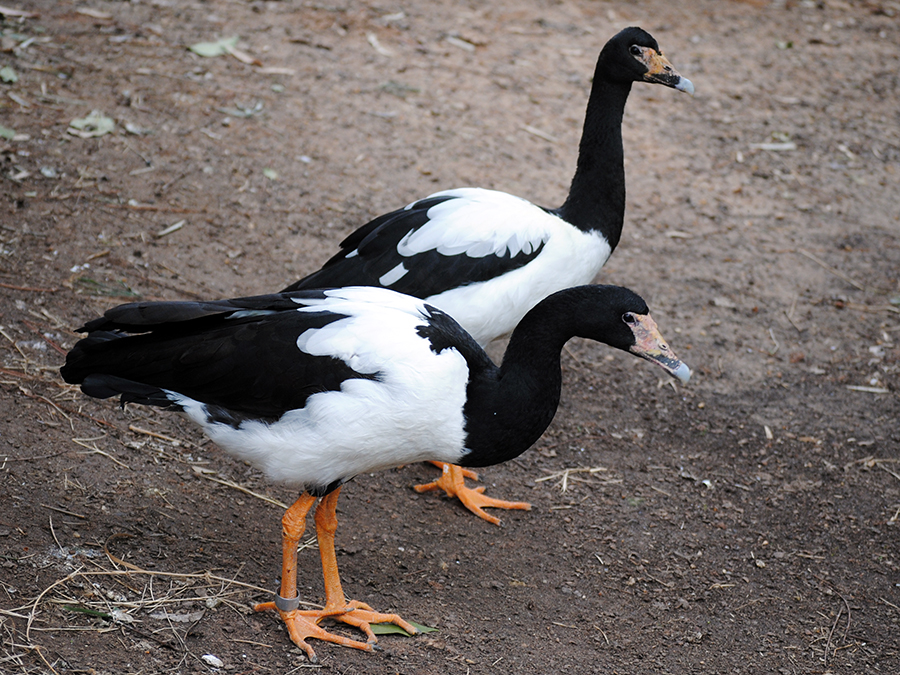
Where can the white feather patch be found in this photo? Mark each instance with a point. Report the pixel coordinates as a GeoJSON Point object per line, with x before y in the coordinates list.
{"type": "Point", "coordinates": [394, 275]}
{"type": "Point", "coordinates": [478, 223]}
{"type": "Point", "coordinates": [411, 412]}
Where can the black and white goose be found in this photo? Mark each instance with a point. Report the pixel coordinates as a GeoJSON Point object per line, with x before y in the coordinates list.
{"type": "Point", "coordinates": [315, 387]}
{"type": "Point", "coordinates": [486, 257]}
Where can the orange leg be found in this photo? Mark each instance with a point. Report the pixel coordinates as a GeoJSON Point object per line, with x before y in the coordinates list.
{"type": "Point", "coordinates": [303, 624]}
{"type": "Point", "coordinates": [452, 481]}
{"type": "Point", "coordinates": [300, 624]}
{"type": "Point", "coordinates": [337, 607]}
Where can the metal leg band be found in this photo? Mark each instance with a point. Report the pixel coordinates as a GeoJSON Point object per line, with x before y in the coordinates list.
{"type": "Point", "coordinates": [287, 604]}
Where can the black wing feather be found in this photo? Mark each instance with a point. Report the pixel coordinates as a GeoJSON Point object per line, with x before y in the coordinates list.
{"type": "Point", "coordinates": [374, 246]}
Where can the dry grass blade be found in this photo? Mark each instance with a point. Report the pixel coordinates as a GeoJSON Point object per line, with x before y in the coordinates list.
{"type": "Point", "coordinates": [13, 343]}
{"type": "Point", "coordinates": [37, 601]}
{"type": "Point", "coordinates": [32, 289]}
{"type": "Point", "coordinates": [94, 450]}
{"type": "Point", "coordinates": [870, 462]}
{"type": "Point", "coordinates": [64, 512]}
{"type": "Point", "coordinates": [881, 466]}
{"type": "Point", "coordinates": [246, 491]}
{"type": "Point", "coordinates": [117, 606]}
{"type": "Point", "coordinates": [55, 538]}
{"type": "Point", "coordinates": [890, 604]}
{"type": "Point", "coordinates": [831, 633]}
{"type": "Point", "coordinates": [873, 308]}
{"type": "Point", "coordinates": [534, 131]}
{"type": "Point", "coordinates": [832, 270]}
{"type": "Point", "coordinates": [40, 334]}
{"type": "Point", "coordinates": [162, 437]}
{"type": "Point", "coordinates": [868, 390]}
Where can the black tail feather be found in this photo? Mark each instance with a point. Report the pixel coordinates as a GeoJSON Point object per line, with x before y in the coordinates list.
{"type": "Point", "coordinates": [105, 386]}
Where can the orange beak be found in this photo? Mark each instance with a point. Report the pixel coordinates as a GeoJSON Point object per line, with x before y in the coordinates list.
{"type": "Point", "coordinates": [660, 71]}
{"type": "Point", "coordinates": [650, 345]}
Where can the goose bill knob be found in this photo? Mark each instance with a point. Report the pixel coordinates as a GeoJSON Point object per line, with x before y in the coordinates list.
{"type": "Point", "coordinates": [661, 71]}
{"type": "Point", "coordinates": [650, 344]}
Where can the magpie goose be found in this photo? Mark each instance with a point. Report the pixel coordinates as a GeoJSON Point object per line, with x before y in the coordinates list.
{"type": "Point", "coordinates": [314, 387]}
{"type": "Point", "coordinates": [486, 257]}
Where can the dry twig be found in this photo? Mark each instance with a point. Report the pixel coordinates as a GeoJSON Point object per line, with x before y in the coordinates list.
{"type": "Point", "coordinates": [565, 476]}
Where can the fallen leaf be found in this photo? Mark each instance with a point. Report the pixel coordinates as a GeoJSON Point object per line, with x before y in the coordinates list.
{"type": "Point", "coordinates": [271, 174]}
{"type": "Point", "coordinates": [393, 629]}
{"type": "Point", "coordinates": [7, 133]}
{"type": "Point", "coordinates": [133, 128]}
{"type": "Point", "coordinates": [121, 616]}
{"type": "Point", "coordinates": [95, 124]}
{"type": "Point", "coordinates": [8, 75]}
{"type": "Point", "coordinates": [94, 13]}
{"type": "Point", "coordinates": [775, 147]}
{"type": "Point", "coordinates": [6, 11]}
{"type": "Point", "coordinates": [242, 111]}
{"type": "Point", "coordinates": [211, 49]}
{"type": "Point", "coordinates": [399, 89]}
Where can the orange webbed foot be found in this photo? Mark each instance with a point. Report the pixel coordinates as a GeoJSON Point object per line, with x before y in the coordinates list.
{"type": "Point", "coordinates": [361, 616]}
{"type": "Point", "coordinates": [452, 481]}
{"type": "Point", "coordinates": [304, 624]}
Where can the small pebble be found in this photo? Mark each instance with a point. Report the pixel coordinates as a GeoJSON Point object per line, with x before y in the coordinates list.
{"type": "Point", "coordinates": [213, 661]}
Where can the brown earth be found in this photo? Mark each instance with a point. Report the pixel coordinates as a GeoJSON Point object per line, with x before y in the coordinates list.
{"type": "Point", "coordinates": [745, 523]}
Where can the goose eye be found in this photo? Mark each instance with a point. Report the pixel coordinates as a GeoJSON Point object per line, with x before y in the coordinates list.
{"type": "Point", "coordinates": [628, 317]}
{"type": "Point", "coordinates": [635, 50]}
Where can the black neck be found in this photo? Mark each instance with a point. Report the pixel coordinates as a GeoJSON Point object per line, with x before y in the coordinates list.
{"type": "Point", "coordinates": [508, 408]}
{"type": "Point", "coordinates": [596, 198]}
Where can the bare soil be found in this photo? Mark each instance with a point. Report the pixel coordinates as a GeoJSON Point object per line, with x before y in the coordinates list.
{"type": "Point", "coordinates": [745, 523]}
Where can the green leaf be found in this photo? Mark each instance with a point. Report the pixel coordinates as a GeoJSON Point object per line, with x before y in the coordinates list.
{"type": "Point", "coordinates": [95, 124]}
{"type": "Point", "coordinates": [393, 629]}
{"type": "Point", "coordinates": [7, 133]}
{"type": "Point", "coordinates": [116, 289]}
{"type": "Point", "coordinates": [399, 89]}
{"type": "Point", "coordinates": [7, 74]}
{"type": "Point", "coordinates": [271, 174]}
{"type": "Point", "coordinates": [88, 611]}
{"type": "Point", "coordinates": [210, 49]}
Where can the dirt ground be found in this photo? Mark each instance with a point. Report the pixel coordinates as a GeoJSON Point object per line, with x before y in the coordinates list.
{"type": "Point", "coordinates": [745, 523]}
